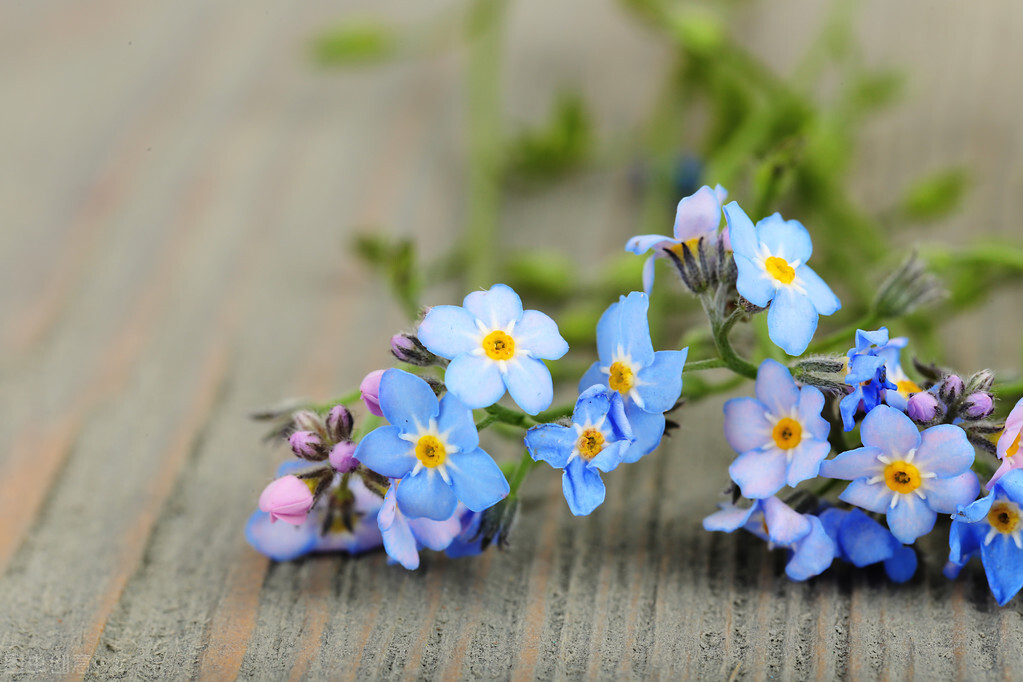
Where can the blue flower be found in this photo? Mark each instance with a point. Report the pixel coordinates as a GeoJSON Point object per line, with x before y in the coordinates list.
{"type": "Point", "coordinates": [597, 440]}
{"type": "Point", "coordinates": [780, 435]}
{"type": "Point", "coordinates": [771, 259]}
{"type": "Point", "coordinates": [907, 475]}
{"type": "Point", "coordinates": [772, 520]}
{"type": "Point", "coordinates": [403, 537]}
{"type": "Point", "coordinates": [433, 447]}
{"type": "Point", "coordinates": [904, 386]}
{"type": "Point", "coordinates": [697, 216]}
{"type": "Point", "coordinates": [648, 382]}
{"type": "Point", "coordinates": [862, 541]}
{"type": "Point", "coordinates": [494, 345]}
{"type": "Point", "coordinates": [867, 374]}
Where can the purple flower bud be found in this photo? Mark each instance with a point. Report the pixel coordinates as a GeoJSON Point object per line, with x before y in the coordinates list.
{"type": "Point", "coordinates": [307, 420]}
{"type": "Point", "coordinates": [951, 389]}
{"type": "Point", "coordinates": [307, 445]}
{"type": "Point", "coordinates": [370, 390]}
{"type": "Point", "coordinates": [978, 405]}
{"type": "Point", "coordinates": [342, 457]}
{"type": "Point", "coordinates": [287, 499]}
{"type": "Point", "coordinates": [923, 407]}
{"type": "Point", "coordinates": [403, 347]}
{"type": "Point", "coordinates": [339, 424]}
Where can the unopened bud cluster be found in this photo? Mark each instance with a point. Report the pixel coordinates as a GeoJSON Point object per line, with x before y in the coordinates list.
{"type": "Point", "coordinates": [704, 264]}
{"type": "Point", "coordinates": [952, 399]}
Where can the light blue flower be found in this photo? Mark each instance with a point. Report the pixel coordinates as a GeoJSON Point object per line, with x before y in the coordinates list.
{"type": "Point", "coordinates": [494, 345]}
{"type": "Point", "coordinates": [992, 527]}
{"type": "Point", "coordinates": [907, 475]}
{"type": "Point", "coordinates": [404, 537]}
{"type": "Point", "coordinates": [772, 520]}
{"type": "Point", "coordinates": [867, 374]}
{"type": "Point", "coordinates": [649, 383]}
{"type": "Point", "coordinates": [771, 259]}
{"type": "Point", "coordinates": [904, 386]}
{"type": "Point", "coordinates": [780, 435]}
{"type": "Point", "coordinates": [697, 216]}
{"type": "Point", "coordinates": [433, 447]}
{"type": "Point", "coordinates": [862, 541]}
{"type": "Point", "coordinates": [596, 441]}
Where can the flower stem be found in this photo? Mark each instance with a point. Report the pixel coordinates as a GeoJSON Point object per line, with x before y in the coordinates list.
{"type": "Point", "coordinates": [701, 365]}
{"type": "Point", "coordinates": [512, 417]}
{"type": "Point", "coordinates": [518, 477]}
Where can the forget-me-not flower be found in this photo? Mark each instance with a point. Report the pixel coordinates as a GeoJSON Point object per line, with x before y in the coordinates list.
{"type": "Point", "coordinates": [867, 374]}
{"type": "Point", "coordinates": [907, 475]}
{"type": "Point", "coordinates": [772, 520]}
{"type": "Point", "coordinates": [771, 259]}
{"type": "Point", "coordinates": [696, 216]}
{"type": "Point", "coordinates": [596, 441]}
{"type": "Point", "coordinates": [904, 386]}
{"type": "Point", "coordinates": [862, 541]}
{"type": "Point", "coordinates": [403, 537]}
{"type": "Point", "coordinates": [648, 382]}
{"type": "Point", "coordinates": [494, 345]}
{"type": "Point", "coordinates": [780, 435]}
{"type": "Point", "coordinates": [991, 527]}
{"type": "Point", "coordinates": [433, 447]}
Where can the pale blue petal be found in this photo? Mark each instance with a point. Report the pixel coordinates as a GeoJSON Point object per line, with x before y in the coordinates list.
{"type": "Point", "coordinates": [741, 232]}
{"type": "Point", "coordinates": [901, 566]}
{"type": "Point", "coordinates": [892, 432]}
{"type": "Point", "coordinates": [759, 473]}
{"type": "Point", "coordinates": [496, 308]}
{"type": "Point", "coordinates": [946, 495]}
{"type": "Point", "coordinates": [584, 491]}
{"type": "Point", "coordinates": [865, 541]}
{"type": "Point", "coordinates": [784, 525]}
{"type": "Point", "coordinates": [863, 368]}
{"type": "Point", "coordinates": [786, 239]}
{"type": "Point", "coordinates": [811, 402]}
{"type": "Point", "coordinates": [608, 328]}
{"type": "Point", "coordinates": [865, 339]}
{"type": "Point", "coordinates": [648, 274]}
{"type": "Point", "coordinates": [746, 426]}
{"type": "Point", "coordinates": [1002, 561]}
{"type": "Point", "coordinates": [477, 480]}
{"type": "Point", "coordinates": [647, 429]}
{"type": "Point", "coordinates": [611, 456]}
{"type": "Point", "coordinates": [791, 321]}
{"type": "Point", "coordinates": [455, 421]}
{"type": "Point", "coordinates": [910, 518]}
{"type": "Point", "coordinates": [426, 494]}
{"type": "Point", "coordinates": [775, 388]}
{"type": "Point", "coordinates": [729, 518]}
{"type": "Point", "coordinates": [821, 295]}
{"type": "Point", "coordinates": [872, 497]}
{"type": "Point", "coordinates": [400, 544]}
{"type": "Point", "coordinates": [538, 334]}
{"type": "Point", "coordinates": [752, 283]}
{"type": "Point", "coordinates": [697, 215]}
{"type": "Point", "coordinates": [1012, 484]}
{"type": "Point", "coordinates": [813, 555]}
{"type": "Point", "coordinates": [475, 379]}
{"type": "Point", "coordinates": [529, 384]}
{"type": "Point", "coordinates": [633, 334]}
{"type": "Point", "coordinates": [943, 450]}
{"type": "Point", "coordinates": [551, 443]}
{"type": "Point", "coordinates": [593, 405]}
{"type": "Point", "coordinates": [385, 453]}
{"type": "Point", "coordinates": [620, 426]}
{"type": "Point", "coordinates": [806, 461]}
{"type": "Point", "coordinates": [853, 464]}
{"type": "Point", "coordinates": [449, 330]}
{"type": "Point", "coordinates": [436, 535]}
{"type": "Point", "coordinates": [279, 541]}
{"type": "Point", "coordinates": [593, 377]}
{"type": "Point", "coordinates": [406, 400]}
{"type": "Point", "coordinates": [660, 384]}
{"type": "Point", "coordinates": [978, 510]}
{"type": "Point", "coordinates": [640, 244]}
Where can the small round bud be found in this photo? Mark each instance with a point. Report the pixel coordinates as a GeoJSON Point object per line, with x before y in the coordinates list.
{"type": "Point", "coordinates": [339, 424]}
{"type": "Point", "coordinates": [402, 347]}
{"type": "Point", "coordinates": [923, 407]}
{"type": "Point", "coordinates": [307, 420]}
{"type": "Point", "coordinates": [951, 388]}
{"type": "Point", "coordinates": [978, 405]}
{"type": "Point", "coordinates": [307, 445]}
{"type": "Point", "coordinates": [287, 499]}
{"type": "Point", "coordinates": [370, 390]}
{"type": "Point", "coordinates": [342, 457]}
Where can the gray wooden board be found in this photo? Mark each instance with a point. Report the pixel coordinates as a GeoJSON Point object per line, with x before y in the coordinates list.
{"type": "Point", "coordinates": [178, 184]}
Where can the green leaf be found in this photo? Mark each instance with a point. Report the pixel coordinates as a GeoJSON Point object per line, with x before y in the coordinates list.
{"type": "Point", "coordinates": [935, 196]}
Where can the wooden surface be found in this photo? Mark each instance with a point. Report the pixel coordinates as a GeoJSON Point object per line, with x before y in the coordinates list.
{"type": "Point", "coordinates": [176, 184]}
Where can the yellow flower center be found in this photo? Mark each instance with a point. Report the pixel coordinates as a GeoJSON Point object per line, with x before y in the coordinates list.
{"type": "Point", "coordinates": [780, 269]}
{"type": "Point", "coordinates": [906, 387]}
{"type": "Point", "coordinates": [499, 346]}
{"type": "Point", "coordinates": [902, 477]}
{"type": "Point", "coordinates": [430, 451]}
{"type": "Point", "coordinates": [692, 244]}
{"type": "Point", "coordinates": [622, 378]}
{"type": "Point", "coordinates": [591, 442]}
{"type": "Point", "coordinates": [1014, 447]}
{"type": "Point", "coordinates": [1004, 516]}
{"type": "Point", "coordinates": [787, 433]}
{"type": "Point", "coordinates": [311, 483]}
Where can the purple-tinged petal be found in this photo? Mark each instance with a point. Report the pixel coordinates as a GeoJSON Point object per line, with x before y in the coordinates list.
{"type": "Point", "coordinates": [640, 244]}
{"type": "Point", "coordinates": [448, 331]}
{"type": "Point", "coordinates": [496, 308]}
{"type": "Point", "coordinates": [529, 384]}
{"type": "Point", "coordinates": [584, 491]}
{"type": "Point", "coordinates": [279, 541]}
{"type": "Point", "coordinates": [944, 449]}
{"type": "Point", "coordinates": [910, 518]}
{"type": "Point", "coordinates": [1008, 464]}
{"type": "Point", "coordinates": [791, 321]}
{"type": "Point", "coordinates": [741, 232]}
{"type": "Point", "coordinates": [538, 334]}
{"type": "Point", "coordinates": [476, 479]}
{"type": "Point", "coordinates": [426, 495]}
{"type": "Point", "coordinates": [729, 518]}
{"type": "Point", "coordinates": [475, 379]}
{"type": "Point", "coordinates": [400, 544]}
{"type": "Point", "coordinates": [385, 453]}
{"type": "Point", "coordinates": [660, 384]}
{"type": "Point", "coordinates": [872, 497]}
{"type": "Point", "coordinates": [759, 473]}
{"type": "Point", "coordinates": [1012, 430]}
{"type": "Point", "coordinates": [786, 239]}
{"type": "Point", "coordinates": [406, 400]}
{"type": "Point", "coordinates": [821, 295]}
{"type": "Point", "coordinates": [813, 555]}
{"type": "Point", "coordinates": [551, 443]}
{"type": "Point", "coordinates": [901, 566]}
{"type": "Point", "coordinates": [455, 420]}
{"type": "Point", "coordinates": [746, 425]}
{"type": "Point", "coordinates": [891, 431]}
{"type": "Point", "coordinates": [946, 495]}
{"type": "Point", "coordinates": [806, 461]}
{"type": "Point", "coordinates": [853, 464]}
{"type": "Point", "coordinates": [755, 286]}
{"type": "Point", "coordinates": [647, 429]}
{"type": "Point", "coordinates": [784, 525]}
{"type": "Point", "coordinates": [775, 388]}
{"type": "Point", "coordinates": [811, 402]}
{"type": "Point", "coordinates": [436, 535]}
{"type": "Point", "coordinates": [697, 215]}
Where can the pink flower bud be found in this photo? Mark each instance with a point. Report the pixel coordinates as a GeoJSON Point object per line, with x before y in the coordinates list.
{"type": "Point", "coordinates": [922, 407]}
{"type": "Point", "coordinates": [339, 423]}
{"type": "Point", "coordinates": [288, 499]}
{"type": "Point", "coordinates": [979, 405]}
{"type": "Point", "coordinates": [342, 457]}
{"type": "Point", "coordinates": [370, 389]}
{"type": "Point", "coordinates": [307, 445]}
{"type": "Point", "coordinates": [403, 348]}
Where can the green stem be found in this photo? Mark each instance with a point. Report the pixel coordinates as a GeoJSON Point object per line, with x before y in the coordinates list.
{"type": "Point", "coordinates": [701, 365]}
{"type": "Point", "coordinates": [486, 421]}
{"type": "Point", "coordinates": [555, 413]}
{"type": "Point", "coordinates": [721, 329]}
{"type": "Point", "coordinates": [525, 465]}
{"type": "Point", "coordinates": [1009, 389]}
{"type": "Point", "coordinates": [511, 417]}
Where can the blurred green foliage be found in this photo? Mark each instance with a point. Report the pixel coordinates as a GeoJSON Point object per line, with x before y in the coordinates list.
{"type": "Point", "coordinates": [354, 42]}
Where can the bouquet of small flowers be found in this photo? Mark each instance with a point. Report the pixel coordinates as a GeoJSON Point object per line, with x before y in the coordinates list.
{"type": "Point", "coordinates": [412, 475]}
